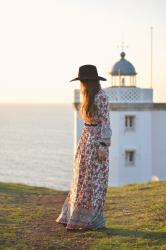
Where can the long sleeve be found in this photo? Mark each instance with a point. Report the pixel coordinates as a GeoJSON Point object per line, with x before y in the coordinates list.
{"type": "Point", "coordinates": [104, 114]}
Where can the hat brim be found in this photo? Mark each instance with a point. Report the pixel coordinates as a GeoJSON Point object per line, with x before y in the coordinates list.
{"type": "Point", "coordinates": [85, 78]}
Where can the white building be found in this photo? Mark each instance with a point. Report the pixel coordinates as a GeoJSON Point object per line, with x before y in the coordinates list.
{"type": "Point", "coordinates": [138, 149]}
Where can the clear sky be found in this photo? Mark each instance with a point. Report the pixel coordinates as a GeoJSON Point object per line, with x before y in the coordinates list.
{"type": "Point", "coordinates": [43, 43]}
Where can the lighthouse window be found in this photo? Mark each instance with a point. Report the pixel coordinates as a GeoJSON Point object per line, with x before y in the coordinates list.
{"type": "Point", "coordinates": [129, 121]}
{"type": "Point", "coordinates": [129, 157]}
{"type": "Point", "coordinates": [123, 81]}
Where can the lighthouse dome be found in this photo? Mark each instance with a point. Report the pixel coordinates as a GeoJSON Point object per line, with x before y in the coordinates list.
{"type": "Point", "coordinates": [123, 67]}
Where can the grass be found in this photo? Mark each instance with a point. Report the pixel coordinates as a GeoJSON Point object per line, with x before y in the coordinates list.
{"type": "Point", "coordinates": [135, 219]}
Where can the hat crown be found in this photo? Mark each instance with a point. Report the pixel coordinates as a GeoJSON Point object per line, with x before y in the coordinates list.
{"type": "Point", "coordinates": [88, 71]}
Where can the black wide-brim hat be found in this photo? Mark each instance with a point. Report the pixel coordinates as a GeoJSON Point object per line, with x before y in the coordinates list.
{"type": "Point", "coordinates": [88, 72]}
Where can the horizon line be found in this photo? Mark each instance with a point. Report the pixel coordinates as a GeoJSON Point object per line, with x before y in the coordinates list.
{"type": "Point", "coordinates": [1, 103]}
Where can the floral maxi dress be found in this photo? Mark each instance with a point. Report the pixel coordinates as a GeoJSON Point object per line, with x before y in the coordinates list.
{"type": "Point", "coordinates": [84, 204]}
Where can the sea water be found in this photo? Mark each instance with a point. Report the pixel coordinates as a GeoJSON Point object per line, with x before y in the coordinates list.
{"type": "Point", "coordinates": [36, 144]}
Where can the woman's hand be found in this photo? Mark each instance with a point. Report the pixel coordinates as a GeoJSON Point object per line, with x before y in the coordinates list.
{"type": "Point", "coordinates": [101, 155]}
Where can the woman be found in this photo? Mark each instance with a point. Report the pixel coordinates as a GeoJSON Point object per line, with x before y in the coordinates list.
{"type": "Point", "coordinates": [84, 204]}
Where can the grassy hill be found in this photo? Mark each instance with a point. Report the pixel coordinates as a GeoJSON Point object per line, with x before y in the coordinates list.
{"type": "Point", "coordinates": [135, 219]}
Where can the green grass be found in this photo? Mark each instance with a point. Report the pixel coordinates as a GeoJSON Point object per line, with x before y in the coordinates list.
{"type": "Point", "coordinates": [135, 219]}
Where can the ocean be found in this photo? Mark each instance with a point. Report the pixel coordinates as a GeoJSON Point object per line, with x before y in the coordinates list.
{"type": "Point", "coordinates": [36, 144]}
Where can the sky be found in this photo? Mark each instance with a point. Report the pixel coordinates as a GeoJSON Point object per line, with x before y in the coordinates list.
{"type": "Point", "coordinates": [44, 42]}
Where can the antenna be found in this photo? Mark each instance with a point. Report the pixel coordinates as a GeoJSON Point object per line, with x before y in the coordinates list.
{"type": "Point", "coordinates": [151, 56]}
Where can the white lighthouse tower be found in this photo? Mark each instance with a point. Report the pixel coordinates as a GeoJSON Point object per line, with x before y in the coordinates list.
{"type": "Point", "coordinates": [130, 106]}
{"type": "Point", "coordinates": [138, 148]}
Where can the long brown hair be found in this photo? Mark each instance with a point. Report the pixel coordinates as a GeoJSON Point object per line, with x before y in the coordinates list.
{"type": "Point", "coordinates": [89, 88]}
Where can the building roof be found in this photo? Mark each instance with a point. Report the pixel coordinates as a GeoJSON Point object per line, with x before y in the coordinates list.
{"type": "Point", "coordinates": [123, 67]}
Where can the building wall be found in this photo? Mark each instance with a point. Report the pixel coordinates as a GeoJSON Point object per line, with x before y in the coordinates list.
{"type": "Point", "coordinates": [78, 126]}
{"type": "Point", "coordinates": [139, 140]}
{"type": "Point", "coordinates": [114, 160]}
{"type": "Point", "coordinates": [159, 144]}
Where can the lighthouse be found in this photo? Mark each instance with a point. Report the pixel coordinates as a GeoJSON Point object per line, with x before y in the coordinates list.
{"type": "Point", "coordinates": [130, 106]}
{"type": "Point", "coordinates": [138, 145]}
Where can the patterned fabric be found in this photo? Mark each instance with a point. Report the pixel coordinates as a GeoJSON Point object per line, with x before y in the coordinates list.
{"type": "Point", "coordinates": [84, 204]}
{"type": "Point", "coordinates": [102, 102]}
